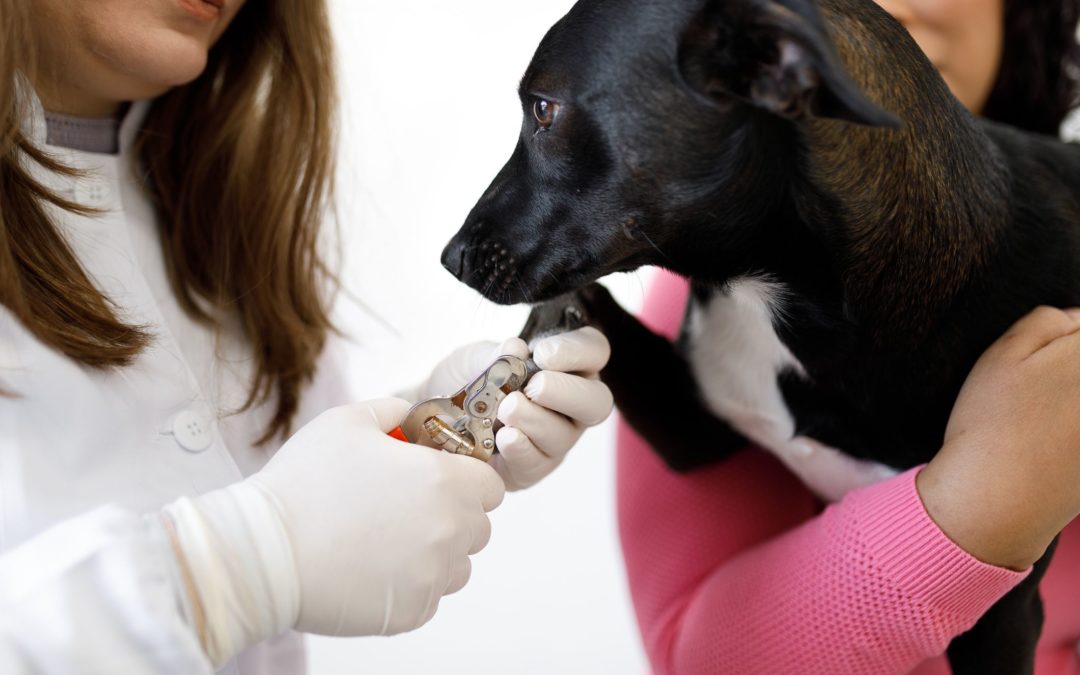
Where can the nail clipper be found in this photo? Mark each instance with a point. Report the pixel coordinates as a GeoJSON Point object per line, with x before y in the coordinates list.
{"type": "Point", "coordinates": [465, 422]}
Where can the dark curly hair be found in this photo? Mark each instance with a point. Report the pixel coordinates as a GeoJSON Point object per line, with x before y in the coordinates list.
{"type": "Point", "coordinates": [1039, 82]}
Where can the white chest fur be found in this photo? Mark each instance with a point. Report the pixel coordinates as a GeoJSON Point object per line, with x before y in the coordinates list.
{"type": "Point", "coordinates": [737, 357]}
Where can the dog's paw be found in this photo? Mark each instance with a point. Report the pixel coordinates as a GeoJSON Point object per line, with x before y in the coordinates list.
{"type": "Point", "coordinates": [560, 315]}
{"type": "Point", "coordinates": [592, 305]}
{"type": "Point", "coordinates": [593, 297]}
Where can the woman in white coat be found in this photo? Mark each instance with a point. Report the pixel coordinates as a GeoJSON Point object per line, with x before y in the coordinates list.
{"type": "Point", "coordinates": [164, 168]}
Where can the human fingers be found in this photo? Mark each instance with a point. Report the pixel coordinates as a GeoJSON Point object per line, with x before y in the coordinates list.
{"type": "Point", "coordinates": [586, 401]}
{"type": "Point", "coordinates": [1035, 330]}
{"type": "Point", "coordinates": [387, 413]}
{"type": "Point", "coordinates": [551, 432]}
{"type": "Point", "coordinates": [459, 575]}
{"type": "Point", "coordinates": [480, 479]}
{"type": "Point", "coordinates": [584, 350]}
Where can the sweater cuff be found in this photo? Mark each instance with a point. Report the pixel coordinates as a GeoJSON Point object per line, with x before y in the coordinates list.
{"type": "Point", "coordinates": [910, 549]}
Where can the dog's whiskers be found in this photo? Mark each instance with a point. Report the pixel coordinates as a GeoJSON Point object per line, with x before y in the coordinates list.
{"type": "Point", "coordinates": [552, 275]}
{"type": "Point", "coordinates": [471, 275]}
{"type": "Point", "coordinates": [487, 286]}
{"type": "Point", "coordinates": [653, 244]}
{"type": "Point", "coordinates": [524, 293]}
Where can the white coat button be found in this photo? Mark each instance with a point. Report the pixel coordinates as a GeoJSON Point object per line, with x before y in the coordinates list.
{"type": "Point", "coordinates": [194, 430]}
{"type": "Point", "coordinates": [93, 191]}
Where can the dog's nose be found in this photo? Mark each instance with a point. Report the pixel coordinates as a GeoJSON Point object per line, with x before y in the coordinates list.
{"type": "Point", "coordinates": [453, 257]}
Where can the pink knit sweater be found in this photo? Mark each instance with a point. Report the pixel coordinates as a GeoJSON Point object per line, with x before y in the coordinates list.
{"type": "Point", "coordinates": [738, 569]}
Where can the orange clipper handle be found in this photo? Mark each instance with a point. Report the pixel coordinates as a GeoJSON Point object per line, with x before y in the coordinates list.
{"type": "Point", "coordinates": [398, 434]}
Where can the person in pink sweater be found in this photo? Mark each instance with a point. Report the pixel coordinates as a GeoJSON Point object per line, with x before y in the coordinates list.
{"type": "Point", "coordinates": [740, 568]}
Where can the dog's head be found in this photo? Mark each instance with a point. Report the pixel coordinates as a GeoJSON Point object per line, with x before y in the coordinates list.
{"type": "Point", "coordinates": [652, 131]}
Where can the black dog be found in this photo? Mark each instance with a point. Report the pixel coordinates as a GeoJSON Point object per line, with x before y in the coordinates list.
{"type": "Point", "coordinates": [807, 168]}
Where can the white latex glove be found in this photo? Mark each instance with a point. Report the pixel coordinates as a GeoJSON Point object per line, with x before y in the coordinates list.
{"type": "Point", "coordinates": [346, 531]}
{"type": "Point", "coordinates": [547, 418]}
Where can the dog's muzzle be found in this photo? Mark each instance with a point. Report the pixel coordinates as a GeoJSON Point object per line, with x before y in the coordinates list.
{"type": "Point", "coordinates": [488, 266]}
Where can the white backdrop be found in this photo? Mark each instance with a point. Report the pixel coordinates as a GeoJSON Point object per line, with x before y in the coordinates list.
{"type": "Point", "coordinates": [430, 113]}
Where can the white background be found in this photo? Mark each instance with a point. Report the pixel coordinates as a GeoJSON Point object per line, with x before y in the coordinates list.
{"type": "Point", "coordinates": [430, 113]}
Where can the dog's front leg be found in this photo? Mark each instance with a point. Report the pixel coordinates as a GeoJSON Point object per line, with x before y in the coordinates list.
{"type": "Point", "coordinates": [1003, 641]}
{"type": "Point", "coordinates": [653, 386]}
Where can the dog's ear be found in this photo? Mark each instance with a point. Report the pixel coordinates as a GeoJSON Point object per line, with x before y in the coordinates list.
{"type": "Point", "coordinates": [773, 54]}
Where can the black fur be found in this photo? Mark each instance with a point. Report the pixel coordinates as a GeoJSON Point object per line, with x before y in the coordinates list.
{"type": "Point", "coordinates": [723, 139]}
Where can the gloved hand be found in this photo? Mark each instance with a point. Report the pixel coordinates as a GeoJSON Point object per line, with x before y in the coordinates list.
{"type": "Point", "coordinates": [548, 417]}
{"type": "Point", "coordinates": [344, 532]}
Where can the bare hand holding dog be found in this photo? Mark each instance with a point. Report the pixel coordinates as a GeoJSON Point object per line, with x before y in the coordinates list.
{"type": "Point", "coordinates": [1006, 480]}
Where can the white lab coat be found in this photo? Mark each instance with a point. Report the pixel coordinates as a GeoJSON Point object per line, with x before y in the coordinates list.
{"type": "Point", "coordinates": [97, 595]}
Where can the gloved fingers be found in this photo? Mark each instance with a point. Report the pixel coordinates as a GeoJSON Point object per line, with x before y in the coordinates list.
{"type": "Point", "coordinates": [551, 433]}
{"type": "Point", "coordinates": [463, 365]}
{"type": "Point", "coordinates": [584, 350]}
{"type": "Point", "coordinates": [482, 354]}
{"type": "Point", "coordinates": [387, 413]}
{"type": "Point", "coordinates": [428, 615]}
{"type": "Point", "coordinates": [459, 575]}
{"type": "Point", "coordinates": [519, 461]}
{"type": "Point", "coordinates": [510, 347]}
{"type": "Point", "coordinates": [481, 535]}
{"type": "Point", "coordinates": [487, 485]}
{"type": "Point", "coordinates": [498, 462]}
{"type": "Point", "coordinates": [586, 401]}
{"type": "Point", "coordinates": [454, 371]}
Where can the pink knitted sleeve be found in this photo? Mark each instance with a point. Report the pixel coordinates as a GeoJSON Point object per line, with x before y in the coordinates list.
{"type": "Point", "coordinates": [735, 569]}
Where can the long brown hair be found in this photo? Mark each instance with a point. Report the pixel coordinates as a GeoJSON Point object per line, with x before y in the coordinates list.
{"type": "Point", "coordinates": [240, 166]}
{"type": "Point", "coordinates": [1039, 81]}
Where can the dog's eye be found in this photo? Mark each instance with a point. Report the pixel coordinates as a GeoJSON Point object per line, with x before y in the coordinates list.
{"type": "Point", "coordinates": [545, 111]}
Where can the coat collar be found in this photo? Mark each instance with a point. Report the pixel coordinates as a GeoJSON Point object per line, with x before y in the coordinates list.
{"type": "Point", "coordinates": [33, 122]}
